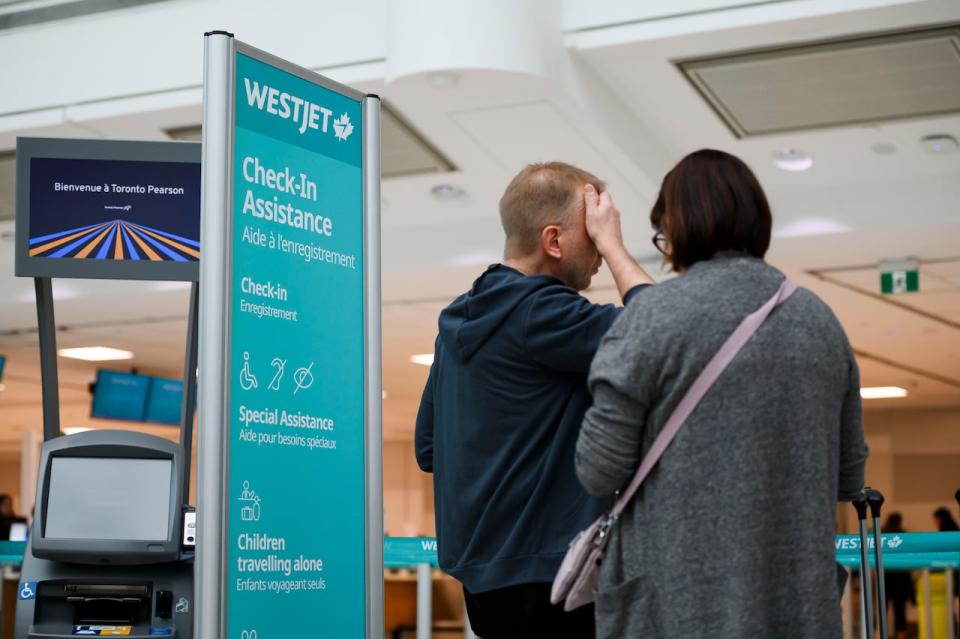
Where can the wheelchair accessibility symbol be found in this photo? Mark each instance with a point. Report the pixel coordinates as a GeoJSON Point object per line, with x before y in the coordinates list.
{"type": "Point", "coordinates": [28, 590]}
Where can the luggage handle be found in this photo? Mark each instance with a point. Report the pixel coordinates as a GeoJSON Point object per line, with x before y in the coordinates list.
{"type": "Point", "coordinates": [872, 499]}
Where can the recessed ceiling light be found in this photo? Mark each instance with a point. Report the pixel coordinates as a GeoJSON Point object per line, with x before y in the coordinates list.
{"type": "Point", "coordinates": [811, 227]}
{"type": "Point", "coordinates": [939, 144]}
{"type": "Point", "coordinates": [75, 430]}
{"type": "Point", "coordinates": [383, 395]}
{"type": "Point", "coordinates": [792, 160]}
{"type": "Point", "coordinates": [883, 392]}
{"type": "Point", "coordinates": [446, 192]}
{"type": "Point", "coordinates": [424, 359]}
{"type": "Point", "coordinates": [95, 353]}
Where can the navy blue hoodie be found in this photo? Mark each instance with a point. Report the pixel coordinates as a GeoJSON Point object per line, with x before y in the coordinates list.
{"type": "Point", "coordinates": [498, 425]}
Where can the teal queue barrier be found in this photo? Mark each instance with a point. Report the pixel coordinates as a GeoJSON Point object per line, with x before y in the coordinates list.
{"type": "Point", "coordinates": [902, 543]}
{"type": "Point", "coordinates": [902, 551]}
{"type": "Point", "coordinates": [907, 561]}
{"type": "Point", "coordinates": [408, 552]}
{"type": "Point", "coordinates": [11, 552]}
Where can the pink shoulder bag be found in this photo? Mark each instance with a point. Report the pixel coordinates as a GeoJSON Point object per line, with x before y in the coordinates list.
{"type": "Point", "coordinates": [577, 578]}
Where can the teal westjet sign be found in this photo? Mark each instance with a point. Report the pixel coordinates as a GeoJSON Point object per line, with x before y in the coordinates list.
{"type": "Point", "coordinates": [295, 556]}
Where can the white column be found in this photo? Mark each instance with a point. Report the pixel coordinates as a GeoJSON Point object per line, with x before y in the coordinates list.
{"type": "Point", "coordinates": [467, 628]}
{"type": "Point", "coordinates": [424, 601]}
{"type": "Point", "coordinates": [426, 36]}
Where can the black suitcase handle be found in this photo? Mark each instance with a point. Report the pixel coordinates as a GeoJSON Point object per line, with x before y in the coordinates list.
{"type": "Point", "coordinates": [872, 499]}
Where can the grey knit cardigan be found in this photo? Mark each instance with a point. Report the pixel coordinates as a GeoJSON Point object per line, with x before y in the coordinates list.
{"type": "Point", "coordinates": [732, 533]}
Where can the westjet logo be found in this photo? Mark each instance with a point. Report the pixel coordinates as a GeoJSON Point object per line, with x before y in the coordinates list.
{"type": "Point", "coordinates": [853, 543]}
{"type": "Point", "coordinates": [430, 544]}
{"type": "Point", "coordinates": [303, 113]}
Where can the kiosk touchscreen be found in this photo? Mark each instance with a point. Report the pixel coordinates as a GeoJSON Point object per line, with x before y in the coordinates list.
{"type": "Point", "coordinates": [105, 555]}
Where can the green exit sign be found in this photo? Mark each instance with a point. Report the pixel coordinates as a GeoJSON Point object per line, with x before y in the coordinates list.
{"type": "Point", "coordinates": [900, 276]}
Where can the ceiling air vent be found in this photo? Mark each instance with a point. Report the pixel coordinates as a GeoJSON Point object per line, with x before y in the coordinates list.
{"type": "Point", "coordinates": [56, 10]}
{"type": "Point", "coordinates": [404, 150]}
{"type": "Point", "coordinates": [860, 80]}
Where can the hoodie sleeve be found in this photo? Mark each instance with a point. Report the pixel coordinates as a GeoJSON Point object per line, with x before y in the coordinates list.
{"type": "Point", "coordinates": [423, 435]}
{"type": "Point", "coordinates": [563, 329]}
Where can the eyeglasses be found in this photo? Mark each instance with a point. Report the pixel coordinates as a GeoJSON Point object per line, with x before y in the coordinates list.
{"type": "Point", "coordinates": [660, 241]}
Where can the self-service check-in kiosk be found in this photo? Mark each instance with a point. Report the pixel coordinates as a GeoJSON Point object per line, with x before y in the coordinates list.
{"type": "Point", "coordinates": [110, 552]}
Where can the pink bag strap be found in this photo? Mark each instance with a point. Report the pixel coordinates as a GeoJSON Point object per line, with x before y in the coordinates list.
{"type": "Point", "coordinates": [704, 381]}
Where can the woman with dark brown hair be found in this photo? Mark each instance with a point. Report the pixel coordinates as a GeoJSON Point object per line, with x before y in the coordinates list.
{"type": "Point", "coordinates": [731, 535]}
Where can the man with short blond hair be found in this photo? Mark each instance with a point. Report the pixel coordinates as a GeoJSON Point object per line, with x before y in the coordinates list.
{"type": "Point", "coordinates": [541, 194]}
{"type": "Point", "coordinates": [502, 407]}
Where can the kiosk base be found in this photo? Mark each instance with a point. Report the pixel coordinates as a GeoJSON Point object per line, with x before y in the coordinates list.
{"type": "Point", "coordinates": [57, 600]}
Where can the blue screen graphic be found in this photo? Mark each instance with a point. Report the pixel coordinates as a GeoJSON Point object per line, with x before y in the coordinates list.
{"type": "Point", "coordinates": [164, 401]}
{"type": "Point", "coordinates": [114, 210]}
{"type": "Point", "coordinates": [120, 396]}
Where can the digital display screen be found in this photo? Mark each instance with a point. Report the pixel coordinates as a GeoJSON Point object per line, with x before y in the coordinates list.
{"type": "Point", "coordinates": [108, 498]}
{"type": "Point", "coordinates": [121, 210]}
{"type": "Point", "coordinates": [120, 396]}
{"type": "Point", "coordinates": [164, 401]}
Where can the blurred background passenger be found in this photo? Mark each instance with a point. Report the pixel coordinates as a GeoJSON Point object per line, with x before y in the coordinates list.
{"type": "Point", "coordinates": [8, 517]}
{"type": "Point", "coordinates": [944, 521]}
{"type": "Point", "coordinates": [899, 584]}
{"type": "Point", "coordinates": [731, 535]}
{"type": "Point", "coordinates": [6, 505]}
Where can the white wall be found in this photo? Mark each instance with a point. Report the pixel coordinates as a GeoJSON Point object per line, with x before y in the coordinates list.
{"type": "Point", "coordinates": [407, 493]}
{"type": "Point", "coordinates": [915, 461]}
{"type": "Point", "coordinates": [72, 414]}
{"type": "Point", "coordinates": [159, 46]}
{"type": "Point", "coordinates": [10, 478]}
{"type": "Point", "coordinates": [898, 441]}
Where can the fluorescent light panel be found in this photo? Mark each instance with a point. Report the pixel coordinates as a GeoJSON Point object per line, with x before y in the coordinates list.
{"type": "Point", "coordinates": [883, 392]}
{"type": "Point", "coordinates": [95, 353]}
{"type": "Point", "coordinates": [424, 359]}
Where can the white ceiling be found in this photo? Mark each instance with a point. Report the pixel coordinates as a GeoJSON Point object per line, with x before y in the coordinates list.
{"type": "Point", "coordinates": [879, 206]}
